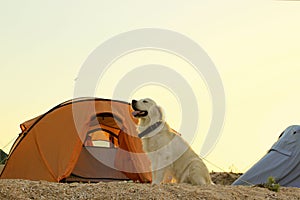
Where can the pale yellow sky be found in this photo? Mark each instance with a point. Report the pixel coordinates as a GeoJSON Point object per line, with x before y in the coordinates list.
{"type": "Point", "coordinates": [255, 46]}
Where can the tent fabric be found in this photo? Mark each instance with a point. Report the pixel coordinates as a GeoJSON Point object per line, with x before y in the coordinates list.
{"type": "Point", "coordinates": [53, 142]}
{"type": "Point", "coordinates": [281, 162]}
{"type": "Point", "coordinates": [94, 169]}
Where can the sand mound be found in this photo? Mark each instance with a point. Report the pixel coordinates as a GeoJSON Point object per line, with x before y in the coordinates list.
{"type": "Point", "coordinates": [24, 189]}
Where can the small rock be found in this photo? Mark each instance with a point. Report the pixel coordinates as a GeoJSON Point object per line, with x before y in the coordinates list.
{"type": "Point", "coordinates": [74, 184]}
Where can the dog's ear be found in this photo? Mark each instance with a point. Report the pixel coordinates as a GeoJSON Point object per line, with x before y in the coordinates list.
{"type": "Point", "coordinates": [161, 114]}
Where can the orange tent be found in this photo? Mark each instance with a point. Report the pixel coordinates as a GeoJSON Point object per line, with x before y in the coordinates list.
{"type": "Point", "coordinates": [81, 139]}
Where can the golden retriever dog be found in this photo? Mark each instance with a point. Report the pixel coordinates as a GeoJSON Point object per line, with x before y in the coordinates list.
{"type": "Point", "coordinates": [169, 154]}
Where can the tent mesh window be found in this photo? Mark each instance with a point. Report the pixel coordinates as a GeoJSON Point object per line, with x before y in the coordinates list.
{"type": "Point", "coordinates": [104, 131]}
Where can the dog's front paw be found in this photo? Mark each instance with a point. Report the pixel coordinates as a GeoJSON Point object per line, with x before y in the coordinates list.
{"type": "Point", "coordinates": [154, 183]}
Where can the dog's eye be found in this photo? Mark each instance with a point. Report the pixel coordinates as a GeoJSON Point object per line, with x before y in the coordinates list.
{"type": "Point", "coordinates": [145, 101]}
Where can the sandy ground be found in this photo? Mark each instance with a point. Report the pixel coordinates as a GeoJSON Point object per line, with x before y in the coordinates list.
{"type": "Point", "coordinates": [24, 189]}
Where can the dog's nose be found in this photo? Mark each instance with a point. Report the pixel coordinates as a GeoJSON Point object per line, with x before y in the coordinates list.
{"type": "Point", "coordinates": [133, 102]}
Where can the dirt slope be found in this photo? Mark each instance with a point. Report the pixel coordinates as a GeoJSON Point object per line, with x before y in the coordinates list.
{"type": "Point", "coordinates": [24, 189]}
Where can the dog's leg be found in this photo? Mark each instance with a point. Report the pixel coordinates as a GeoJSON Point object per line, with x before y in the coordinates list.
{"type": "Point", "coordinates": [199, 180]}
{"type": "Point", "coordinates": [158, 176]}
{"type": "Point", "coordinates": [198, 174]}
{"type": "Point", "coordinates": [158, 169]}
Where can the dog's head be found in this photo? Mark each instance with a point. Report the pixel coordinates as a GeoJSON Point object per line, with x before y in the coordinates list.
{"type": "Point", "coordinates": [146, 108]}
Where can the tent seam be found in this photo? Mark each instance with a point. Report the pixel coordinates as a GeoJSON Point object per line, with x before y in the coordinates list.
{"type": "Point", "coordinates": [43, 158]}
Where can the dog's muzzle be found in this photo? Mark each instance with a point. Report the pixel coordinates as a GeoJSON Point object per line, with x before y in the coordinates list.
{"type": "Point", "coordinates": [137, 112]}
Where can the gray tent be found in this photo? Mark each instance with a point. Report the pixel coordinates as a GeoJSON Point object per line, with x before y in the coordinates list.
{"type": "Point", "coordinates": [281, 162]}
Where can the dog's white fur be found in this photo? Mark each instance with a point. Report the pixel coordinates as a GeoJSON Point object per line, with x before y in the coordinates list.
{"type": "Point", "coordinates": [169, 154]}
